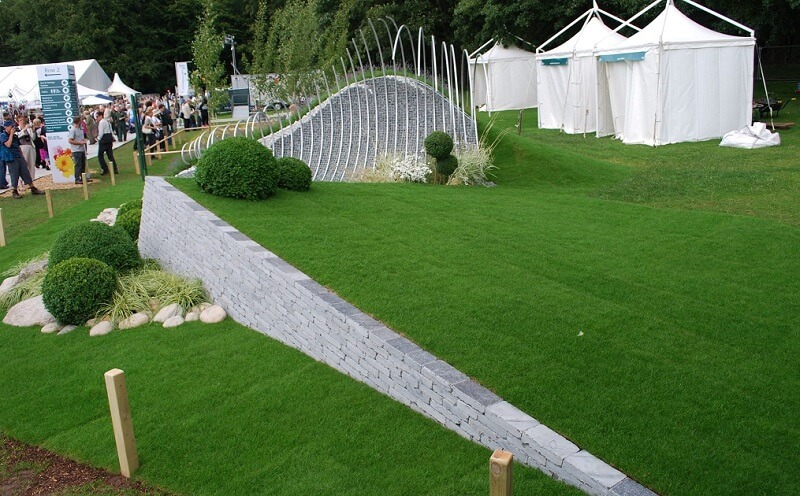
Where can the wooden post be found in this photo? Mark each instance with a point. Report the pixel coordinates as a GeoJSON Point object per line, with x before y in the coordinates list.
{"type": "Point", "coordinates": [519, 123]}
{"type": "Point", "coordinates": [122, 421]}
{"type": "Point", "coordinates": [136, 162]}
{"type": "Point", "coordinates": [49, 198]}
{"type": "Point", "coordinates": [2, 230]}
{"type": "Point", "coordinates": [85, 187]}
{"type": "Point", "coordinates": [111, 171]}
{"type": "Point", "coordinates": [500, 473]}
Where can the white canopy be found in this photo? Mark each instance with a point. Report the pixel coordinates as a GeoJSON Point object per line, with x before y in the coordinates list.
{"type": "Point", "coordinates": [118, 88]}
{"type": "Point", "coordinates": [675, 81]}
{"type": "Point", "coordinates": [22, 81]}
{"type": "Point", "coordinates": [503, 78]}
{"type": "Point", "coordinates": [567, 78]}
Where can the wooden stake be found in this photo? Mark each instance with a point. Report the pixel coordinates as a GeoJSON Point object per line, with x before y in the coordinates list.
{"type": "Point", "coordinates": [122, 421]}
{"type": "Point", "coordinates": [500, 473]}
{"type": "Point", "coordinates": [136, 163]}
{"type": "Point", "coordinates": [111, 171]}
{"type": "Point", "coordinates": [2, 230]}
{"type": "Point", "coordinates": [49, 198]}
{"type": "Point", "coordinates": [85, 187]}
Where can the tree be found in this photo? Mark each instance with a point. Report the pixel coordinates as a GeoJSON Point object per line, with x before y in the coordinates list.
{"type": "Point", "coordinates": [209, 75]}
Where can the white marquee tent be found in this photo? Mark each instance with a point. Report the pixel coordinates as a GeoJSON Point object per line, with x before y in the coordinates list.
{"type": "Point", "coordinates": [503, 78]}
{"type": "Point", "coordinates": [676, 81]}
{"type": "Point", "coordinates": [22, 81]}
{"type": "Point", "coordinates": [567, 75]}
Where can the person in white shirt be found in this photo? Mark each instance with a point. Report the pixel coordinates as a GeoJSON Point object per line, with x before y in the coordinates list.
{"type": "Point", "coordinates": [105, 134]}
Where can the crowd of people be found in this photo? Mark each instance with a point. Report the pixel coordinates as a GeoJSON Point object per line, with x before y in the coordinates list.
{"type": "Point", "coordinates": [24, 136]}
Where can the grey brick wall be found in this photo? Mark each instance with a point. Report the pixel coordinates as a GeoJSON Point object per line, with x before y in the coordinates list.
{"type": "Point", "coordinates": [263, 292]}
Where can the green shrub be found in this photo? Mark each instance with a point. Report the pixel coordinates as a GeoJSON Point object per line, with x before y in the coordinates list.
{"type": "Point", "coordinates": [446, 166]}
{"type": "Point", "coordinates": [99, 241]}
{"type": "Point", "coordinates": [439, 144]}
{"type": "Point", "coordinates": [293, 174]}
{"type": "Point", "coordinates": [237, 168]}
{"type": "Point", "coordinates": [129, 222]}
{"type": "Point", "coordinates": [75, 289]}
{"type": "Point", "coordinates": [128, 206]}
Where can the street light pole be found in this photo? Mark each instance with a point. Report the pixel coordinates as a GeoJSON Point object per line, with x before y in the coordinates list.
{"type": "Point", "coordinates": [230, 40]}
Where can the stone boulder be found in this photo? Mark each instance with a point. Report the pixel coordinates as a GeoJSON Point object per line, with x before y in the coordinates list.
{"type": "Point", "coordinates": [167, 312]}
{"type": "Point", "coordinates": [213, 314]}
{"type": "Point", "coordinates": [192, 316]}
{"type": "Point", "coordinates": [8, 283]}
{"type": "Point", "coordinates": [51, 328]}
{"type": "Point", "coordinates": [135, 320]}
{"type": "Point", "coordinates": [173, 321]}
{"type": "Point", "coordinates": [32, 269]}
{"type": "Point", "coordinates": [107, 216]}
{"type": "Point", "coordinates": [67, 329]}
{"type": "Point", "coordinates": [30, 312]}
{"type": "Point", "coordinates": [101, 328]}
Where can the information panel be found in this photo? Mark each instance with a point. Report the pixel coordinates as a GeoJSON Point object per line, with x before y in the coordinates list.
{"type": "Point", "coordinates": [60, 104]}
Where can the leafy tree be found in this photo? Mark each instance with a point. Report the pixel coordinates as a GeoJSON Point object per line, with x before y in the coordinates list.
{"type": "Point", "coordinates": [209, 74]}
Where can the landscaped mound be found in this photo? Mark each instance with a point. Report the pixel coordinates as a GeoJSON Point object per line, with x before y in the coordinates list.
{"type": "Point", "coordinates": [99, 241]}
{"type": "Point", "coordinates": [75, 289]}
{"type": "Point", "coordinates": [293, 174]}
{"type": "Point", "coordinates": [129, 222]}
{"type": "Point", "coordinates": [238, 168]}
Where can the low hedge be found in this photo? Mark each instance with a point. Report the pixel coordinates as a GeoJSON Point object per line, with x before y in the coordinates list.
{"type": "Point", "coordinates": [97, 240]}
{"type": "Point", "coordinates": [237, 168]}
{"type": "Point", "coordinates": [293, 174]}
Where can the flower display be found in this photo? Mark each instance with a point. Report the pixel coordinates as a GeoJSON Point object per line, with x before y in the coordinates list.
{"type": "Point", "coordinates": [64, 162]}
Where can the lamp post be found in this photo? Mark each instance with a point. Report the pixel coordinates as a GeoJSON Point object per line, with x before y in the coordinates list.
{"type": "Point", "coordinates": [230, 40]}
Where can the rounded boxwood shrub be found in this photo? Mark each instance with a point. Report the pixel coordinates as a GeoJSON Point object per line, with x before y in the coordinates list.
{"type": "Point", "coordinates": [129, 222]}
{"type": "Point", "coordinates": [439, 144]}
{"type": "Point", "coordinates": [237, 168]}
{"type": "Point", "coordinates": [128, 206]}
{"type": "Point", "coordinates": [97, 240]}
{"type": "Point", "coordinates": [447, 165]}
{"type": "Point", "coordinates": [293, 174]}
{"type": "Point", "coordinates": [75, 289]}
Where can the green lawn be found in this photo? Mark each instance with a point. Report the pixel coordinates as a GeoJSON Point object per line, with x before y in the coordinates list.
{"type": "Point", "coordinates": [220, 409]}
{"type": "Point", "coordinates": [644, 302]}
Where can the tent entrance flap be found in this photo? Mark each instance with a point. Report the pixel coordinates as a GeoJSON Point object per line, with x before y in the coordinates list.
{"type": "Point", "coordinates": [559, 61]}
{"type": "Point", "coordinates": [621, 57]}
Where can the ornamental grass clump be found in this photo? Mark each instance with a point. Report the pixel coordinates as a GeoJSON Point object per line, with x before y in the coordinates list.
{"type": "Point", "coordinates": [110, 245]}
{"type": "Point", "coordinates": [28, 288]}
{"type": "Point", "coordinates": [75, 289]}
{"type": "Point", "coordinates": [293, 174]}
{"type": "Point", "coordinates": [238, 168]}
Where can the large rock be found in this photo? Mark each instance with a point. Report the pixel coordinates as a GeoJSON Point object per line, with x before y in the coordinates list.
{"type": "Point", "coordinates": [173, 321]}
{"type": "Point", "coordinates": [168, 311]}
{"type": "Point", "coordinates": [107, 216]}
{"type": "Point", "coordinates": [101, 328]}
{"type": "Point", "coordinates": [8, 283]}
{"type": "Point", "coordinates": [31, 269]}
{"type": "Point", "coordinates": [51, 328]}
{"type": "Point", "coordinates": [192, 316]}
{"type": "Point", "coordinates": [67, 329]}
{"type": "Point", "coordinates": [135, 320]}
{"type": "Point", "coordinates": [30, 312]}
{"type": "Point", "coordinates": [213, 314]}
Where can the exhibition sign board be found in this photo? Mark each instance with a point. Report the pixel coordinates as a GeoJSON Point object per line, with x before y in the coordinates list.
{"type": "Point", "coordinates": [60, 104]}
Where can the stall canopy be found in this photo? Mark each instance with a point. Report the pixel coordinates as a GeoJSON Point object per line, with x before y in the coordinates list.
{"type": "Point", "coordinates": [567, 74]}
{"type": "Point", "coordinates": [503, 78]}
{"type": "Point", "coordinates": [676, 81]}
{"type": "Point", "coordinates": [21, 83]}
{"type": "Point", "coordinates": [118, 88]}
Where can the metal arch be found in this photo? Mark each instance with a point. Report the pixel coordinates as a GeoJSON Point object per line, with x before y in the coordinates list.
{"type": "Point", "coordinates": [385, 86]}
{"type": "Point", "coordinates": [271, 132]}
{"type": "Point", "coordinates": [464, 82]}
{"type": "Point", "coordinates": [449, 98]}
{"type": "Point", "coordinates": [454, 102]}
{"type": "Point", "coordinates": [472, 108]}
{"type": "Point", "coordinates": [358, 100]}
{"type": "Point", "coordinates": [183, 156]}
{"type": "Point", "coordinates": [435, 80]}
{"type": "Point", "coordinates": [405, 82]}
{"type": "Point", "coordinates": [298, 123]}
{"type": "Point", "coordinates": [374, 103]}
{"type": "Point", "coordinates": [366, 101]}
{"type": "Point", "coordinates": [310, 119]}
{"type": "Point", "coordinates": [225, 131]}
{"type": "Point", "coordinates": [350, 125]}
{"type": "Point", "coordinates": [330, 143]}
{"type": "Point", "coordinates": [260, 115]}
{"type": "Point", "coordinates": [394, 80]}
{"type": "Point", "coordinates": [425, 89]}
{"type": "Point", "coordinates": [416, 100]}
{"type": "Point", "coordinates": [280, 136]}
{"type": "Point", "coordinates": [322, 127]}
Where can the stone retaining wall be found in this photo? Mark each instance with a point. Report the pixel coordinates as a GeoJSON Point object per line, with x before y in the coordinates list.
{"type": "Point", "coordinates": [263, 292]}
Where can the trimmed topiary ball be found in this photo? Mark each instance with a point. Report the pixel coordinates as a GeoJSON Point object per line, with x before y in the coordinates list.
{"type": "Point", "coordinates": [293, 174]}
{"type": "Point", "coordinates": [128, 206]}
{"type": "Point", "coordinates": [110, 245]}
{"type": "Point", "coordinates": [75, 289]}
{"type": "Point", "coordinates": [439, 145]}
{"type": "Point", "coordinates": [447, 165]}
{"type": "Point", "coordinates": [129, 222]}
{"type": "Point", "coordinates": [237, 168]}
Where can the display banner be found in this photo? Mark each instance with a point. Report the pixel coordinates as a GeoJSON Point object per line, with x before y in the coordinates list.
{"type": "Point", "coordinates": [182, 76]}
{"type": "Point", "coordinates": [60, 104]}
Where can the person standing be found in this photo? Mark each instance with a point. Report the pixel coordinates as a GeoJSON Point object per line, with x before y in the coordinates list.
{"type": "Point", "coordinates": [26, 135]}
{"type": "Point", "coordinates": [105, 131]}
{"type": "Point", "coordinates": [121, 123]}
{"type": "Point", "coordinates": [204, 112]}
{"type": "Point", "coordinates": [77, 143]}
{"type": "Point", "coordinates": [12, 156]}
{"type": "Point", "coordinates": [40, 143]}
{"type": "Point", "coordinates": [90, 130]}
{"type": "Point", "coordinates": [186, 114]}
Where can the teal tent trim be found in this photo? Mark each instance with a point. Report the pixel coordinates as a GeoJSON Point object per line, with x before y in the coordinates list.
{"type": "Point", "coordinates": [621, 57]}
{"type": "Point", "coordinates": [555, 61]}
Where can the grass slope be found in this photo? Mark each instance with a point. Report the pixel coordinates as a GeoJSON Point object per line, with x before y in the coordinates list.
{"type": "Point", "coordinates": [685, 375]}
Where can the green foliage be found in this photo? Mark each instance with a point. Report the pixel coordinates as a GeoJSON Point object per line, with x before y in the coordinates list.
{"type": "Point", "coordinates": [99, 241]}
{"type": "Point", "coordinates": [439, 145]}
{"type": "Point", "coordinates": [209, 74]}
{"type": "Point", "coordinates": [293, 174]}
{"type": "Point", "coordinates": [129, 222]}
{"type": "Point", "coordinates": [446, 166]}
{"type": "Point", "coordinates": [137, 290]}
{"type": "Point", "coordinates": [128, 206]}
{"type": "Point", "coordinates": [238, 168]}
{"type": "Point", "coordinates": [28, 288]}
{"type": "Point", "coordinates": [75, 289]}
